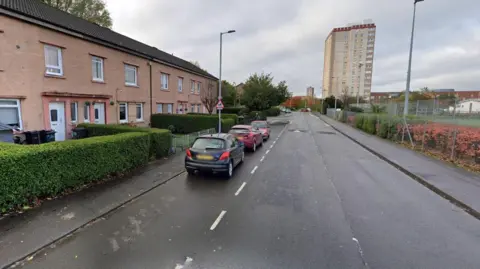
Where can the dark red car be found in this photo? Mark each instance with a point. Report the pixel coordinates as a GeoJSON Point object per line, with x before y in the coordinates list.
{"type": "Point", "coordinates": [264, 128]}
{"type": "Point", "coordinates": [249, 135]}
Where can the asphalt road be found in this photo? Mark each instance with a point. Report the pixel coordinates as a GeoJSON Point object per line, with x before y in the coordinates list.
{"type": "Point", "coordinates": [309, 198]}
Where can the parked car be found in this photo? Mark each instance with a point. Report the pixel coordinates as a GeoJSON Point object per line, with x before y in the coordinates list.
{"type": "Point", "coordinates": [251, 136]}
{"type": "Point", "coordinates": [215, 153]}
{"type": "Point", "coordinates": [264, 128]}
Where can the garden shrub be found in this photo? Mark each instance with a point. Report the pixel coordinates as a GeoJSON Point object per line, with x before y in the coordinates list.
{"type": "Point", "coordinates": [160, 139]}
{"type": "Point", "coordinates": [34, 171]}
{"type": "Point", "coordinates": [272, 112]}
{"type": "Point", "coordinates": [359, 121]}
{"type": "Point", "coordinates": [185, 124]}
{"type": "Point", "coordinates": [233, 110]}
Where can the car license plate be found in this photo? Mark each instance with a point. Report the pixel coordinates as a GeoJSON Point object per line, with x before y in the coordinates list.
{"type": "Point", "coordinates": [205, 157]}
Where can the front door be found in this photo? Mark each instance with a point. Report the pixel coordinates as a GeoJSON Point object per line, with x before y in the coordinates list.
{"type": "Point", "coordinates": [99, 113]}
{"type": "Point", "coordinates": [57, 120]}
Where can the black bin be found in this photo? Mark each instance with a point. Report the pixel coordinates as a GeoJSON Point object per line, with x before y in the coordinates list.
{"type": "Point", "coordinates": [79, 133]}
{"type": "Point", "coordinates": [47, 136]}
{"type": "Point", "coordinates": [32, 137]}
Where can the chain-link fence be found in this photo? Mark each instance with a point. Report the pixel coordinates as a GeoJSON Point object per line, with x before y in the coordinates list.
{"type": "Point", "coordinates": [447, 128]}
{"type": "Point", "coordinates": [181, 142]}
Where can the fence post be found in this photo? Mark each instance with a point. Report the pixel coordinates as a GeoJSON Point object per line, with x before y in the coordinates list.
{"type": "Point", "coordinates": [454, 141]}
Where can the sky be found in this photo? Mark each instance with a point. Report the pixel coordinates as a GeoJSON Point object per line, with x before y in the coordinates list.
{"type": "Point", "coordinates": [286, 38]}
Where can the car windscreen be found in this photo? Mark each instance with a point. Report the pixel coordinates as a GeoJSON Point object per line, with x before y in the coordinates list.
{"type": "Point", "coordinates": [209, 143]}
{"type": "Point", "coordinates": [239, 130]}
{"type": "Point", "coordinates": [259, 124]}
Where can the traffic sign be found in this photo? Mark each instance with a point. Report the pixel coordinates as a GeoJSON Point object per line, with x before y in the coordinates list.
{"type": "Point", "coordinates": [220, 105]}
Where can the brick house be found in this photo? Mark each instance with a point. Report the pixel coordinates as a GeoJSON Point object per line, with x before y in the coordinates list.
{"type": "Point", "coordinates": [57, 70]}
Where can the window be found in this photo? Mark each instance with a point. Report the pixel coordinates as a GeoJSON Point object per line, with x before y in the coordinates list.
{"type": "Point", "coordinates": [169, 108]}
{"type": "Point", "coordinates": [53, 115]}
{"type": "Point", "coordinates": [198, 108]}
{"type": "Point", "coordinates": [192, 107]}
{"type": "Point", "coordinates": [139, 112]}
{"type": "Point", "coordinates": [123, 117]}
{"type": "Point", "coordinates": [10, 112]}
{"type": "Point", "coordinates": [130, 75]}
{"type": "Point", "coordinates": [86, 113]}
{"type": "Point", "coordinates": [159, 108]}
{"type": "Point", "coordinates": [180, 84]}
{"type": "Point", "coordinates": [53, 61]}
{"type": "Point", "coordinates": [192, 90]}
{"type": "Point", "coordinates": [97, 68]}
{"type": "Point", "coordinates": [180, 109]}
{"type": "Point", "coordinates": [164, 81]}
{"type": "Point", "coordinates": [198, 87]}
{"type": "Point", "coordinates": [74, 111]}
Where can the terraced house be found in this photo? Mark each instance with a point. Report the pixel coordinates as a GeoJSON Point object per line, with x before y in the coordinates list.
{"type": "Point", "coordinates": [57, 70]}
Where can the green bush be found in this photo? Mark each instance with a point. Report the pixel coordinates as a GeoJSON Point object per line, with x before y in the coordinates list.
{"type": "Point", "coordinates": [369, 124]}
{"type": "Point", "coordinates": [32, 171]}
{"type": "Point", "coordinates": [253, 115]}
{"type": "Point", "coordinates": [272, 112]}
{"type": "Point", "coordinates": [6, 146]}
{"type": "Point", "coordinates": [161, 139]}
{"type": "Point", "coordinates": [359, 121]}
{"type": "Point", "coordinates": [227, 124]}
{"type": "Point", "coordinates": [356, 109]}
{"type": "Point", "coordinates": [234, 117]}
{"type": "Point", "coordinates": [232, 110]}
{"type": "Point", "coordinates": [185, 124]}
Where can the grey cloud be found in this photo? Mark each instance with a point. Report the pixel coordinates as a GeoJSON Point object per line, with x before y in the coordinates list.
{"type": "Point", "coordinates": [286, 38]}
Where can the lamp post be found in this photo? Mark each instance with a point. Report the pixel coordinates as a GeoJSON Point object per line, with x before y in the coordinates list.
{"type": "Point", "coordinates": [407, 89]}
{"type": "Point", "coordinates": [358, 86]}
{"type": "Point", "coordinates": [220, 80]}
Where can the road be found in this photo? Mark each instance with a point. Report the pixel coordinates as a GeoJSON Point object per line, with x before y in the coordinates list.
{"type": "Point", "coordinates": [309, 198]}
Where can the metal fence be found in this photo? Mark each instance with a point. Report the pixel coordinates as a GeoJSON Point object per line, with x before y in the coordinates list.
{"type": "Point", "coordinates": [182, 142]}
{"type": "Point", "coordinates": [449, 129]}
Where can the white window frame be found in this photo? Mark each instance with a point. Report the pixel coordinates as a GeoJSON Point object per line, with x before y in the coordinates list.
{"type": "Point", "coordinates": [141, 112]}
{"type": "Point", "coordinates": [164, 77]}
{"type": "Point", "coordinates": [169, 108]}
{"type": "Point", "coordinates": [126, 112]}
{"type": "Point", "coordinates": [134, 68]}
{"type": "Point", "coordinates": [199, 86]}
{"type": "Point", "coordinates": [18, 107]}
{"type": "Point", "coordinates": [180, 109]}
{"type": "Point", "coordinates": [192, 108]}
{"type": "Point", "coordinates": [192, 90]}
{"type": "Point", "coordinates": [87, 109]}
{"type": "Point", "coordinates": [161, 105]}
{"type": "Point", "coordinates": [75, 104]}
{"type": "Point", "coordinates": [60, 61]}
{"type": "Point", "coordinates": [180, 84]}
{"type": "Point", "coordinates": [198, 108]}
{"type": "Point", "coordinates": [98, 60]}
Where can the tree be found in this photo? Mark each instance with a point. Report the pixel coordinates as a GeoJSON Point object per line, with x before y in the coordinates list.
{"type": "Point", "coordinates": [259, 92]}
{"type": "Point", "coordinates": [228, 94]}
{"type": "Point", "coordinates": [91, 10]}
{"type": "Point", "coordinates": [209, 96]}
{"type": "Point", "coordinates": [330, 102]}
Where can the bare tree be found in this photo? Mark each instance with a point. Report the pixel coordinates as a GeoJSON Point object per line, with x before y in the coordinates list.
{"type": "Point", "coordinates": [209, 96]}
{"type": "Point", "coordinates": [345, 98]}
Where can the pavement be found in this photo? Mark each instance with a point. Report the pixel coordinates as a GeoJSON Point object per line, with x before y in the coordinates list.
{"type": "Point", "coordinates": [456, 184]}
{"type": "Point", "coordinates": [309, 198]}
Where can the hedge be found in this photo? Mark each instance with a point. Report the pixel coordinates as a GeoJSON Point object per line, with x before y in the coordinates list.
{"type": "Point", "coordinates": [233, 110]}
{"type": "Point", "coordinates": [34, 171]}
{"type": "Point", "coordinates": [161, 140]}
{"type": "Point", "coordinates": [6, 146]}
{"type": "Point", "coordinates": [273, 111]}
{"type": "Point", "coordinates": [185, 124]}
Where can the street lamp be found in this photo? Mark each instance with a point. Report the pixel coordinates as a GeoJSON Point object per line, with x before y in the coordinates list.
{"type": "Point", "coordinates": [220, 80]}
{"type": "Point", "coordinates": [407, 89]}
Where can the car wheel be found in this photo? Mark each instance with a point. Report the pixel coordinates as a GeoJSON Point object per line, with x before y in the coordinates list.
{"type": "Point", "coordinates": [254, 146]}
{"type": "Point", "coordinates": [229, 172]}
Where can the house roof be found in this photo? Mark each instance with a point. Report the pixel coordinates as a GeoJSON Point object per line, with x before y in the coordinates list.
{"type": "Point", "coordinates": [47, 14]}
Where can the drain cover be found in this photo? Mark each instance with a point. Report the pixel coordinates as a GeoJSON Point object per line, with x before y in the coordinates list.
{"type": "Point", "coordinates": [326, 133]}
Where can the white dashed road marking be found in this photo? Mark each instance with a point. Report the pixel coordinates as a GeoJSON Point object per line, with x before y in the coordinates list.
{"type": "Point", "coordinates": [241, 188]}
{"type": "Point", "coordinates": [263, 158]}
{"type": "Point", "coordinates": [187, 262]}
{"type": "Point", "coordinates": [217, 221]}
{"type": "Point", "coordinates": [266, 152]}
{"type": "Point", "coordinates": [254, 169]}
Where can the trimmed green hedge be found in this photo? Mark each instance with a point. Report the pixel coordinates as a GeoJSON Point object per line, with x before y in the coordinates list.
{"type": "Point", "coordinates": [185, 124]}
{"type": "Point", "coordinates": [161, 139]}
{"type": "Point", "coordinates": [32, 171]}
{"type": "Point", "coordinates": [233, 110]}
{"type": "Point", "coordinates": [6, 146]}
{"type": "Point", "coordinates": [273, 111]}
